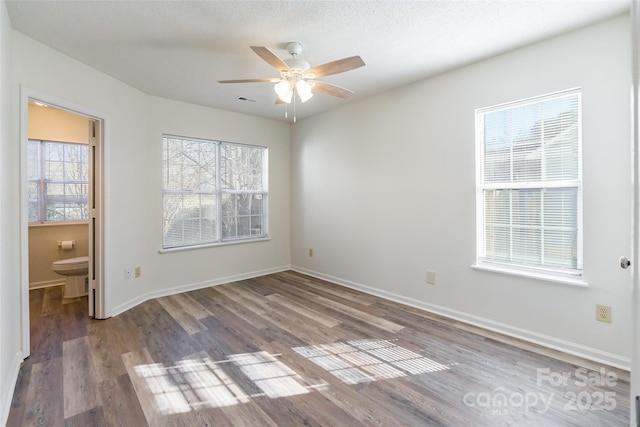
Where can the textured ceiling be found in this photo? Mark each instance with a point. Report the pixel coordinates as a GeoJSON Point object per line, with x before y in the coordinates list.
{"type": "Point", "coordinates": [179, 49]}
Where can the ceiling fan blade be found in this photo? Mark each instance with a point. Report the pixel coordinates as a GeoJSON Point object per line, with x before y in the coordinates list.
{"type": "Point", "coordinates": [335, 67]}
{"type": "Point", "coordinates": [330, 89]}
{"type": "Point", "coordinates": [271, 58]}
{"type": "Point", "coordinates": [267, 80]}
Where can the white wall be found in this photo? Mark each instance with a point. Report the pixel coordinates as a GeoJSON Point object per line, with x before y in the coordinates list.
{"type": "Point", "coordinates": [384, 189]}
{"type": "Point", "coordinates": [133, 217]}
{"type": "Point", "coordinates": [10, 337]}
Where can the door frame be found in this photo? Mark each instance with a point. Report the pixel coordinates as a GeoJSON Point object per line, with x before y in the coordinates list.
{"type": "Point", "coordinates": [97, 290]}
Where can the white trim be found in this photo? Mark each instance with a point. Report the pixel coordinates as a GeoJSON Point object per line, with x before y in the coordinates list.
{"type": "Point", "coordinates": [128, 305]}
{"type": "Point", "coordinates": [548, 277]}
{"type": "Point", "coordinates": [27, 93]}
{"type": "Point", "coordinates": [611, 359]}
{"type": "Point", "coordinates": [213, 245]}
{"type": "Point", "coordinates": [46, 284]}
{"type": "Point", "coordinates": [5, 400]}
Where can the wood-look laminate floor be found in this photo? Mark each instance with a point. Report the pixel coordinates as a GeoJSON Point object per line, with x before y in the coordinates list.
{"type": "Point", "coordinates": [290, 350]}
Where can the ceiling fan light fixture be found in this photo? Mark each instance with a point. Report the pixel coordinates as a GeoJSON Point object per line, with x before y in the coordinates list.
{"type": "Point", "coordinates": [304, 90]}
{"type": "Point", "coordinates": [284, 90]}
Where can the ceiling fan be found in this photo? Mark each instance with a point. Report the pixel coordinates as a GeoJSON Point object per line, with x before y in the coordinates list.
{"type": "Point", "coordinates": [297, 76]}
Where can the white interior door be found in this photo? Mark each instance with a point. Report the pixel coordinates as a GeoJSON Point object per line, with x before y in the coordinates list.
{"type": "Point", "coordinates": [635, 246]}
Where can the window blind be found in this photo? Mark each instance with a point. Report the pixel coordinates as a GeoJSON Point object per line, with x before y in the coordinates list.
{"type": "Point", "coordinates": [212, 192]}
{"type": "Point", "coordinates": [529, 183]}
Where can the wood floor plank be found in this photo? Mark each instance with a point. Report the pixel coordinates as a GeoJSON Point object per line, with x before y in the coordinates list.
{"type": "Point", "coordinates": [52, 301]}
{"type": "Point", "coordinates": [224, 400]}
{"type": "Point", "coordinates": [189, 323]}
{"type": "Point", "coordinates": [326, 288]}
{"type": "Point", "coordinates": [347, 398]}
{"type": "Point", "coordinates": [80, 387]}
{"type": "Point", "coordinates": [120, 404]}
{"type": "Point", "coordinates": [351, 311]}
{"type": "Point", "coordinates": [45, 407]}
{"type": "Point", "coordinates": [46, 338]}
{"type": "Point", "coordinates": [106, 349]}
{"type": "Point", "coordinates": [93, 417]}
{"type": "Point", "coordinates": [146, 377]}
{"type": "Point", "coordinates": [316, 316]}
{"type": "Point", "coordinates": [308, 333]}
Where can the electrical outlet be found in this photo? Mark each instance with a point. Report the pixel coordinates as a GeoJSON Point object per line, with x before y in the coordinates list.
{"type": "Point", "coordinates": [128, 272]}
{"type": "Point", "coordinates": [311, 252]}
{"type": "Point", "coordinates": [431, 278]}
{"type": "Point", "coordinates": [603, 313]}
{"type": "Point", "coordinates": [137, 272]}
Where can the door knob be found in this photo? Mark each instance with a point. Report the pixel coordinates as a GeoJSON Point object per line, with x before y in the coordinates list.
{"type": "Point", "coordinates": [624, 262]}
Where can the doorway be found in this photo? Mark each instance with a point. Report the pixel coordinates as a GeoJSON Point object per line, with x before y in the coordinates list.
{"type": "Point", "coordinates": [61, 198]}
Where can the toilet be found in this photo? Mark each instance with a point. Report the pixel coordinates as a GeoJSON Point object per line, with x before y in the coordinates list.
{"type": "Point", "coordinates": [76, 271]}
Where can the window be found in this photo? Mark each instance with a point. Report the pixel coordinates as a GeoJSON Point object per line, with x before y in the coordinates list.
{"type": "Point", "coordinates": [213, 192]}
{"type": "Point", "coordinates": [529, 185]}
{"type": "Point", "coordinates": [58, 174]}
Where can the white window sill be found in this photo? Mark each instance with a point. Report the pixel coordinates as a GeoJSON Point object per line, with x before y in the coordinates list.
{"type": "Point", "coordinates": [213, 245]}
{"type": "Point", "coordinates": [57, 223]}
{"type": "Point", "coordinates": [564, 280]}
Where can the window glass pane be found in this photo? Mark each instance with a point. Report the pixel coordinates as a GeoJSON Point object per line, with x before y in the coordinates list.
{"type": "Point", "coordinates": [33, 160]}
{"type": "Point", "coordinates": [189, 165]}
{"type": "Point", "coordinates": [33, 201]}
{"type": "Point", "coordinates": [63, 173]}
{"type": "Point", "coordinates": [561, 228]}
{"type": "Point", "coordinates": [241, 167]}
{"type": "Point", "coordinates": [242, 215]}
{"type": "Point", "coordinates": [532, 142]}
{"type": "Point", "coordinates": [528, 151]}
{"type": "Point", "coordinates": [189, 219]}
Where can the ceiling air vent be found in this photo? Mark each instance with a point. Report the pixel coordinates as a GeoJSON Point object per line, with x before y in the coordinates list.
{"type": "Point", "coordinates": [244, 98]}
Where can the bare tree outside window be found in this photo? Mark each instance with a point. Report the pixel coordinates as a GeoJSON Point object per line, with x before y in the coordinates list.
{"type": "Point", "coordinates": [58, 187]}
{"type": "Point", "coordinates": [212, 192]}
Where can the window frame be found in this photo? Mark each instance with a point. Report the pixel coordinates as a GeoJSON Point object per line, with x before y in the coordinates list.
{"type": "Point", "coordinates": [42, 181]}
{"type": "Point", "coordinates": [219, 192]}
{"type": "Point", "coordinates": [573, 276]}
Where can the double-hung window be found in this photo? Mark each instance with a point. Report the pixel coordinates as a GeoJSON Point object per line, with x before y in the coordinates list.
{"type": "Point", "coordinates": [529, 186]}
{"type": "Point", "coordinates": [58, 181]}
{"type": "Point", "coordinates": [213, 192]}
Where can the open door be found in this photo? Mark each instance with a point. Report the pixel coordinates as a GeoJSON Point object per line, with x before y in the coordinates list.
{"type": "Point", "coordinates": [634, 263]}
{"type": "Point", "coordinates": [96, 293]}
{"type": "Point", "coordinates": [97, 125]}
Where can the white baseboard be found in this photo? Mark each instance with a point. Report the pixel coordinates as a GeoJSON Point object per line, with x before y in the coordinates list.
{"type": "Point", "coordinates": [121, 308]}
{"type": "Point", "coordinates": [46, 284]}
{"type": "Point", "coordinates": [568, 347]}
{"type": "Point", "coordinates": [6, 395]}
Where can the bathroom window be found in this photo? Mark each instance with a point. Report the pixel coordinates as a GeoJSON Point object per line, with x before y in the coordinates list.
{"type": "Point", "coordinates": [213, 192]}
{"type": "Point", "coordinates": [58, 175]}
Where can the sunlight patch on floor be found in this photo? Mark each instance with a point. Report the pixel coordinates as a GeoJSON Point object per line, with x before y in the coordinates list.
{"type": "Point", "coordinates": [361, 361]}
{"type": "Point", "coordinates": [201, 382]}
{"type": "Point", "coordinates": [196, 383]}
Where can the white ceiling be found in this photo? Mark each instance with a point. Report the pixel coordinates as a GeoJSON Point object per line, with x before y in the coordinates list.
{"type": "Point", "coordinates": [179, 49]}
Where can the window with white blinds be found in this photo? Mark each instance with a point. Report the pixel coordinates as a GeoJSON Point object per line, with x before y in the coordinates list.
{"type": "Point", "coordinates": [529, 185]}
{"type": "Point", "coordinates": [58, 181]}
{"type": "Point", "coordinates": [213, 192]}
